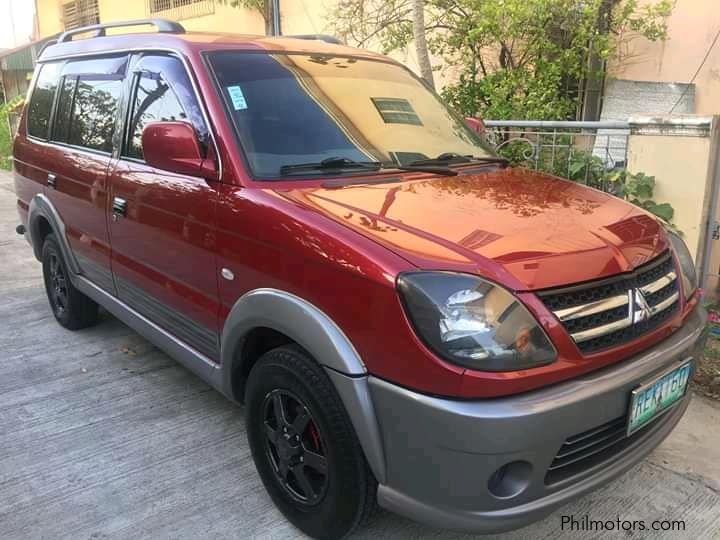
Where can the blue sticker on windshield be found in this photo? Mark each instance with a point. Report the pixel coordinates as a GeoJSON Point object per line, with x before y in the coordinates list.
{"type": "Point", "coordinates": [237, 97]}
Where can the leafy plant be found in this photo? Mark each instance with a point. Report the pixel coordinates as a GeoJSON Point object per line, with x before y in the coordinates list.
{"type": "Point", "coordinates": [14, 107]}
{"type": "Point", "coordinates": [263, 7]}
{"type": "Point", "coordinates": [638, 188]}
{"type": "Point", "coordinates": [5, 139]}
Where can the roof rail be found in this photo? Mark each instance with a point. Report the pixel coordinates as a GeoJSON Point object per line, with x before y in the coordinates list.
{"type": "Point", "coordinates": [45, 45]}
{"type": "Point", "coordinates": [164, 26]}
{"type": "Point", "coordinates": [319, 37]}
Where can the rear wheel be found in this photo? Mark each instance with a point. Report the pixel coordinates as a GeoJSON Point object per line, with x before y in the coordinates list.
{"type": "Point", "coordinates": [304, 446]}
{"type": "Point", "coordinates": [71, 308]}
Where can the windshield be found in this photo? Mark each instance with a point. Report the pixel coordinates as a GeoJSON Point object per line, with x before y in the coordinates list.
{"type": "Point", "coordinates": [304, 110]}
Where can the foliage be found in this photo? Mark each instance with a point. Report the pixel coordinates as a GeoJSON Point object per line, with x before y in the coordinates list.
{"type": "Point", "coordinates": [14, 106]}
{"type": "Point", "coordinates": [586, 168]}
{"type": "Point", "coordinates": [518, 59]}
{"type": "Point", "coordinates": [260, 6]}
{"type": "Point", "coordinates": [257, 5]}
{"type": "Point", "coordinates": [638, 189]}
{"type": "Point", "coordinates": [5, 140]}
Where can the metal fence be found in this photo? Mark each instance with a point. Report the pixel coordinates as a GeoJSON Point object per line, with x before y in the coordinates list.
{"type": "Point", "coordinates": [583, 151]}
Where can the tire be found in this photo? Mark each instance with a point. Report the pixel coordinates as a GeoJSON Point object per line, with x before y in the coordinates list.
{"type": "Point", "coordinates": [318, 424]}
{"type": "Point", "coordinates": [71, 308]}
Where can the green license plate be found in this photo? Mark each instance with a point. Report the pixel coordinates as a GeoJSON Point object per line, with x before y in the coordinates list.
{"type": "Point", "coordinates": [654, 398]}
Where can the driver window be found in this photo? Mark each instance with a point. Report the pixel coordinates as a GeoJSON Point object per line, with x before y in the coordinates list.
{"type": "Point", "coordinates": [154, 102]}
{"type": "Point", "coordinates": [162, 93]}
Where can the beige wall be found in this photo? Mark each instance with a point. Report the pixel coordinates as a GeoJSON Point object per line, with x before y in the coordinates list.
{"type": "Point", "coordinates": [49, 17]}
{"type": "Point", "coordinates": [681, 182]}
{"type": "Point", "coordinates": [681, 152]}
{"type": "Point", "coordinates": [225, 18]}
{"type": "Point", "coordinates": [692, 27]}
{"type": "Point", "coordinates": [306, 17]}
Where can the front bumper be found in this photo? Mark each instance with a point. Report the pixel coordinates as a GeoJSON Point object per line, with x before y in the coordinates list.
{"type": "Point", "coordinates": [440, 454]}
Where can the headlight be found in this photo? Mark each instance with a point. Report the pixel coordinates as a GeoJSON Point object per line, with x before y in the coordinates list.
{"type": "Point", "coordinates": [472, 322]}
{"type": "Point", "coordinates": [687, 266]}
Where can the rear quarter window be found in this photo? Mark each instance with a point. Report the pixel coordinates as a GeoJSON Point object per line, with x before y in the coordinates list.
{"type": "Point", "coordinates": [41, 101]}
{"type": "Point", "coordinates": [94, 113]}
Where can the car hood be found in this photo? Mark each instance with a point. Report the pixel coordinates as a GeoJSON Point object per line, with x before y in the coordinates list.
{"type": "Point", "coordinates": [525, 229]}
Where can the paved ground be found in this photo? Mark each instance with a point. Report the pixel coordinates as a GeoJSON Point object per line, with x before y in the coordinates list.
{"type": "Point", "coordinates": [103, 436]}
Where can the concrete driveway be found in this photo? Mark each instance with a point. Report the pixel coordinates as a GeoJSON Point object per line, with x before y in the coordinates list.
{"type": "Point", "coordinates": [104, 436]}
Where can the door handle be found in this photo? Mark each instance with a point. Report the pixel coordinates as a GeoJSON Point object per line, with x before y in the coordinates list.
{"type": "Point", "coordinates": [51, 180]}
{"type": "Point", "coordinates": [119, 208]}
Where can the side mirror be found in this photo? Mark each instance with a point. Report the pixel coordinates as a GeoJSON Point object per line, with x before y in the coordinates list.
{"type": "Point", "coordinates": [174, 147]}
{"type": "Point", "coordinates": [476, 124]}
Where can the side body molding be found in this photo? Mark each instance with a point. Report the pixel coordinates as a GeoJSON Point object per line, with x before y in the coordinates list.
{"type": "Point", "coordinates": [324, 340]}
{"type": "Point", "coordinates": [40, 206]}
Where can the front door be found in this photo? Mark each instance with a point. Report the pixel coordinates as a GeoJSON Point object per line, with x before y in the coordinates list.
{"type": "Point", "coordinates": [162, 226]}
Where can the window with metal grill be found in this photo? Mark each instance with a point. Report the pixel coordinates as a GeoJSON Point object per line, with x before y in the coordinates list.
{"type": "Point", "coordinates": [180, 9]}
{"type": "Point", "coordinates": [80, 13]}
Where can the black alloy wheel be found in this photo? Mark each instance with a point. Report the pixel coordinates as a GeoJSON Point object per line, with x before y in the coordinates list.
{"type": "Point", "coordinates": [304, 445]}
{"type": "Point", "coordinates": [58, 287]}
{"type": "Point", "coordinates": [71, 308]}
{"type": "Point", "coordinates": [295, 448]}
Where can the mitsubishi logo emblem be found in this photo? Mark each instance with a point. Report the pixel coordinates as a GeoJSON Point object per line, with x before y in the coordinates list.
{"type": "Point", "coordinates": [639, 308]}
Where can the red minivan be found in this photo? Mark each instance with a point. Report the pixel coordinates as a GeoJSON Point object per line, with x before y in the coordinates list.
{"type": "Point", "coordinates": [308, 228]}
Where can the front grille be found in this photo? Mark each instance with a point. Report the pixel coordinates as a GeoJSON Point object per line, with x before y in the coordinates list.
{"type": "Point", "coordinates": [606, 313]}
{"type": "Point", "coordinates": [594, 446]}
{"type": "Point", "coordinates": [577, 452]}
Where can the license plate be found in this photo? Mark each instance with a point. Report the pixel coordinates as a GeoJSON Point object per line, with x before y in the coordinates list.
{"type": "Point", "coordinates": [654, 398]}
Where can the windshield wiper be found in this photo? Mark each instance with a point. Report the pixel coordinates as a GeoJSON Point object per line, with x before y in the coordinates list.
{"type": "Point", "coordinates": [435, 169]}
{"type": "Point", "coordinates": [450, 158]}
{"type": "Point", "coordinates": [331, 165]}
{"type": "Point", "coordinates": [339, 164]}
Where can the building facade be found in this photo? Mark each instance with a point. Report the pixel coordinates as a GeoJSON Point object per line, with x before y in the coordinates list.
{"type": "Point", "coordinates": [652, 78]}
{"type": "Point", "coordinates": [693, 28]}
{"type": "Point", "coordinates": [297, 16]}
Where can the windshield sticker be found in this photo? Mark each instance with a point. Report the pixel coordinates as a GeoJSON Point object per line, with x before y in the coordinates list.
{"type": "Point", "coordinates": [237, 97]}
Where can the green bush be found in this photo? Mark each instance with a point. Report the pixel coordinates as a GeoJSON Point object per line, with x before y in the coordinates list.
{"type": "Point", "coordinates": [5, 139]}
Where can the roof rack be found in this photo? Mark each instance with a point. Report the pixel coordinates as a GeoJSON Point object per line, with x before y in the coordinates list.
{"type": "Point", "coordinates": [319, 37]}
{"type": "Point", "coordinates": [164, 26]}
{"type": "Point", "coordinates": [45, 45]}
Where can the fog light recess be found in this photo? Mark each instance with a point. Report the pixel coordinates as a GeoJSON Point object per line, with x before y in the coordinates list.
{"type": "Point", "coordinates": [510, 480]}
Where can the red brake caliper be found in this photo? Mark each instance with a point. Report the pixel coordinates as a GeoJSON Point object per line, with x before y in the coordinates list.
{"type": "Point", "coordinates": [315, 436]}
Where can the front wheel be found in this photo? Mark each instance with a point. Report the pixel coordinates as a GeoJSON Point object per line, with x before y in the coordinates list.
{"type": "Point", "coordinates": [304, 446]}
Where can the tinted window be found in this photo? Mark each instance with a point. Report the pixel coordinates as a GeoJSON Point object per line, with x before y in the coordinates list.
{"type": "Point", "coordinates": [40, 107]}
{"type": "Point", "coordinates": [163, 93]}
{"type": "Point", "coordinates": [94, 111]}
{"type": "Point", "coordinates": [154, 101]}
{"type": "Point", "coordinates": [61, 126]}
